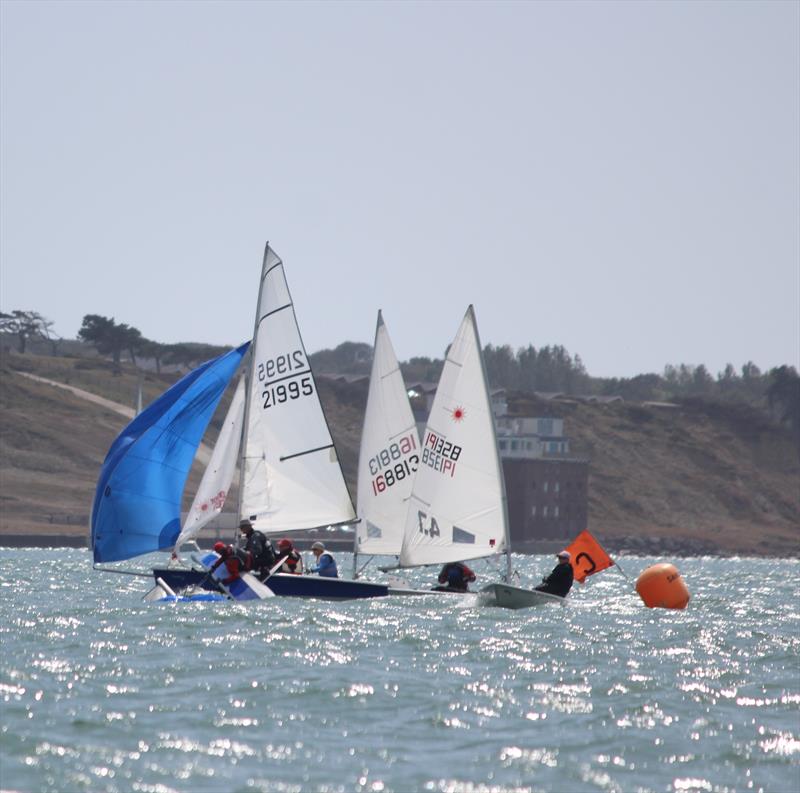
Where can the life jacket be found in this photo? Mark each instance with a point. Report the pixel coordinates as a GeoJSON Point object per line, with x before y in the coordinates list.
{"type": "Point", "coordinates": [456, 575]}
{"type": "Point", "coordinates": [232, 565]}
{"type": "Point", "coordinates": [331, 571]}
{"type": "Point", "coordinates": [291, 562]}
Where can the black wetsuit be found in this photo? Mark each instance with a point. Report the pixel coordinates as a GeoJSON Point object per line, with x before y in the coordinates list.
{"type": "Point", "coordinates": [559, 582]}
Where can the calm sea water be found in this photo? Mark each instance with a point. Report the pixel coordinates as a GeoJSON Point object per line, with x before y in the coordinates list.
{"type": "Point", "coordinates": [101, 692]}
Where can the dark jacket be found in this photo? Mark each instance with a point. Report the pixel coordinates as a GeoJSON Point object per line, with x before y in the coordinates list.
{"type": "Point", "coordinates": [559, 582]}
{"type": "Point", "coordinates": [455, 575]}
{"type": "Point", "coordinates": [260, 555]}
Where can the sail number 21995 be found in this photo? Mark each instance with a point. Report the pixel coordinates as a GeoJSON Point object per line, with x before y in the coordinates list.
{"type": "Point", "coordinates": [283, 392]}
{"type": "Point", "coordinates": [284, 377]}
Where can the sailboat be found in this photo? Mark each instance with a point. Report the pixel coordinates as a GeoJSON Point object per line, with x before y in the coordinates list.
{"type": "Point", "coordinates": [388, 457]}
{"type": "Point", "coordinates": [457, 508]}
{"type": "Point", "coordinates": [290, 478]}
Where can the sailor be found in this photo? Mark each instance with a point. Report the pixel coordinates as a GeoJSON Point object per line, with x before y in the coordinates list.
{"type": "Point", "coordinates": [259, 555]}
{"type": "Point", "coordinates": [559, 582]}
{"type": "Point", "coordinates": [326, 564]}
{"type": "Point", "coordinates": [292, 561]}
{"type": "Point", "coordinates": [228, 557]}
{"type": "Point", "coordinates": [454, 577]}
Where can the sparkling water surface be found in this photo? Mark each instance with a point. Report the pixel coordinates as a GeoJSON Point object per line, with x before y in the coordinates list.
{"type": "Point", "coordinates": [102, 692]}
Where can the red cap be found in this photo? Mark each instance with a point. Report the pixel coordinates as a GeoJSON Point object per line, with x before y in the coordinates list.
{"type": "Point", "coordinates": [219, 547]}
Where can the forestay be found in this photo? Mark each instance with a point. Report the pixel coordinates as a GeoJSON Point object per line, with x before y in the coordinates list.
{"type": "Point", "coordinates": [217, 478]}
{"type": "Point", "coordinates": [389, 454]}
{"type": "Point", "coordinates": [291, 477]}
{"type": "Point", "coordinates": [137, 503]}
{"type": "Point", "coordinates": [457, 508]}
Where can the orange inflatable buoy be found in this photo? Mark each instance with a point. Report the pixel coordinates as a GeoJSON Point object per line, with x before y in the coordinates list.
{"type": "Point", "coordinates": [661, 586]}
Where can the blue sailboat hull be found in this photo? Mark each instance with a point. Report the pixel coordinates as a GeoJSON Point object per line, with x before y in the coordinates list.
{"type": "Point", "coordinates": [284, 585]}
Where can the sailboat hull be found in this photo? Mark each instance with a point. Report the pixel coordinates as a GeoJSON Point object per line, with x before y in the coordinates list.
{"type": "Point", "coordinates": [514, 597]}
{"type": "Point", "coordinates": [285, 585]}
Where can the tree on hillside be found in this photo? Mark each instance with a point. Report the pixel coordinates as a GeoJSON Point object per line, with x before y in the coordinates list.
{"type": "Point", "coordinates": [350, 357]}
{"type": "Point", "coordinates": [783, 396]}
{"type": "Point", "coordinates": [26, 325]}
{"type": "Point", "coordinates": [110, 338]}
{"type": "Point", "coordinates": [154, 350]}
{"type": "Point", "coordinates": [189, 355]}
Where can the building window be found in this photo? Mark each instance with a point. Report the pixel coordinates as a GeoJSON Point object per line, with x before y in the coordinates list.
{"type": "Point", "coordinates": [503, 445]}
{"type": "Point", "coordinates": [546, 486]}
{"type": "Point", "coordinates": [513, 446]}
{"type": "Point", "coordinates": [544, 512]}
{"type": "Point", "coordinates": [533, 511]}
{"type": "Point", "coordinates": [558, 487]}
{"type": "Point", "coordinates": [555, 512]}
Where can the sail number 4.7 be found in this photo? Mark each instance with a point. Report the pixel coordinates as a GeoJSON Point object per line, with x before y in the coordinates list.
{"type": "Point", "coordinates": [292, 378]}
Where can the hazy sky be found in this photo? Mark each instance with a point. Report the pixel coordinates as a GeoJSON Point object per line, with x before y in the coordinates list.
{"type": "Point", "coordinates": [619, 178]}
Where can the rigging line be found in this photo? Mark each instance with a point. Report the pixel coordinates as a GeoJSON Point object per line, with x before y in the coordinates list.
{"type": "Point", "coordinates": [308, 451]}
{"type": "Point", "coordinates": [274, 311]}
{"type": "Point", "coordinates": [287, 377]}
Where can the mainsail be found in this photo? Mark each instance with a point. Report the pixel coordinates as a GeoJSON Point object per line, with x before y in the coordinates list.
{"type": "Point", "coordinates": [291, 477]}
{"type": "Point", "coordinates": [389, 454]}
{"type": "Point", "coordinates": [137, 504]}
{"type": "Point", "coordinates": [457, 508]}
{"type": "Point", "coordinates": [210, 496]}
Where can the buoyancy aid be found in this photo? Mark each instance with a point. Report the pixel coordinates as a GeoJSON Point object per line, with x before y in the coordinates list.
{"type": "Point", "coordinates": [292, 563]}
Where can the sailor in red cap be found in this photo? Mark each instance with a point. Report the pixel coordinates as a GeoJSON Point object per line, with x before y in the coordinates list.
{"type": "Point", "coordinates": [227, 556]}
{"type": "Point", "coordinates": [292, 561]}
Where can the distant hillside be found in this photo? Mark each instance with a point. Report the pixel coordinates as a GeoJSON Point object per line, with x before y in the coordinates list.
{"type": "Point", "coordinates": [696, 478]}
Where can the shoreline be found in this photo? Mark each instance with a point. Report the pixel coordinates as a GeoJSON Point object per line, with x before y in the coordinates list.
{"type": "Point", "coordinates": [629, 546]}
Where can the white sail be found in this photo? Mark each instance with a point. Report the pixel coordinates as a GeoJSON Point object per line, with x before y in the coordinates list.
{"type": "Point", "coordinates": [291, 477]}
{"type": "Point", "coordinates": [389, 454]}
{"type": "Point", "coordinates": [217, 478]}
{"type": "Point", "coordinates": [457, 508]}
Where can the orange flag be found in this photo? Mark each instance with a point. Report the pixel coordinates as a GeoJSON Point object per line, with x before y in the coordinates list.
{"type": "Point", "coordinates": [588, 556]}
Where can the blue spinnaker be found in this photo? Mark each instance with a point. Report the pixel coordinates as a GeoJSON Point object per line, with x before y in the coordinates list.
{"type": "Point", "coordinates": [137, 505]}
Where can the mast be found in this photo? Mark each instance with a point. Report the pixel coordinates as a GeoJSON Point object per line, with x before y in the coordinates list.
{"type": "Point", "coordinates": [249, 383]}
{"type": "Point", "coordinates": [374, 348]}
{"type": "Point", "coordinates": [497, 447]}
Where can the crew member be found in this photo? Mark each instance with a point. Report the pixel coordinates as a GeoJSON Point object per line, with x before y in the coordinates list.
{"type": "Point", "coordinates": [292, 561]}
{"type": "Point", "coordinates": [454, 577]}
{"type": "Point", "coordinates": [559, 582]}
{"type": "Point", "coordinates": [232, 562]}
{"type": "Point", "coordinates": [259, 555]}
{"type": "Point", "coordinates": [326, 564]}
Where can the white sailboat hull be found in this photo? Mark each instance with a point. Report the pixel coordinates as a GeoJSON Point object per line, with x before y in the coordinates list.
{"type": "Point", "coordinates": [514, 597]}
